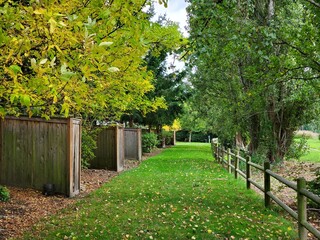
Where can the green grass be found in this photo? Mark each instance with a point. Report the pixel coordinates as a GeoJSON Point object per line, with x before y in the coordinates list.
{"type": "Point", "coordinates": [178, 194]}
{"type": "Point", "coordinates": [314, 154]}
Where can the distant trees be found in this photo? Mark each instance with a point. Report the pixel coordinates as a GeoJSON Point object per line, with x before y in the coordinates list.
{"type": "Point", "coordinates": [255, 68]}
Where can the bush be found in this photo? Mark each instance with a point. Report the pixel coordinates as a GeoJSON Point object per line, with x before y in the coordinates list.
{"type": "Point", "coordinates": [149, 142]}
{"type": "Point", "coordinates": [4, 194]}
{"type": "Point", "coordinates": [314, 186]}
{"type": "Point", "coordinates": [89, 144]}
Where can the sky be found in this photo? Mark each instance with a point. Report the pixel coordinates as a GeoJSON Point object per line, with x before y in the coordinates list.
{"type": "Point", "coordinates": [176, 11]}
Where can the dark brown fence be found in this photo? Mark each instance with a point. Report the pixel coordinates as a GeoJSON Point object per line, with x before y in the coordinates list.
{"type": "Point", "coordinates": [110, 149]}
{"type": "Point", "coordinates": [34, 152]}
{"type": "Point", "coordinates": [132, 143]}
{"type": "Point", "coordinates": [233, 160]}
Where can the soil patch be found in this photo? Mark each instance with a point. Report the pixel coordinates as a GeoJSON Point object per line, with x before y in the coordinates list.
{"type": "Point", "coordinates": [292, 170]}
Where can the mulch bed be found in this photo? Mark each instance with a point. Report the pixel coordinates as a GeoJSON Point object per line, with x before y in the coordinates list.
{"type": "Point", "coordinates": [27, 206]}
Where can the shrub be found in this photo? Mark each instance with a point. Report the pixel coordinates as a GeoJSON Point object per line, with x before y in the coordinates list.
{"type": "Point", "coordinates": [4, 194]}
{"type": "Point", "coordinates": [149, 142]}
{"type": "Point", "coordinates": [314, 186]}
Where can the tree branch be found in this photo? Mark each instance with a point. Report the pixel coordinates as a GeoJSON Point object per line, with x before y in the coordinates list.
{"type": "Point", "coordinates": [300, 51]}
{"type": "Point", "coordinates": [314, 3]}
{"type": "Point", "coordinates": [122, 24]}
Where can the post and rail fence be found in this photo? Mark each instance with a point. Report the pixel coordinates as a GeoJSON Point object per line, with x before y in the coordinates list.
{"type": "Point", "coordinates": [232, 162]}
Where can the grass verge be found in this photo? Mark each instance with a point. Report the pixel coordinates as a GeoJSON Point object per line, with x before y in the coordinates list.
{"type": "Point", "coordinates": [178, 194]}
{"type": "Point", "coordinates": [313, 154]}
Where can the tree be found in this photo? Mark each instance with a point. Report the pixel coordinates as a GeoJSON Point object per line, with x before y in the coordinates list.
{"type": "Point", "coordinates": [191, 121]}
{"type": "Point", "coordinates": [77, 57]}
{"type": "Point", "coordinates": [168, 86]}
{"type": "Point", "coordinates": [251, 71]}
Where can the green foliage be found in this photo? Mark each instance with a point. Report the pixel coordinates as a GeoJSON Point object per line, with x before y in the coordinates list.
{"type": "Point", "coordinates": [313, 155]}
{"type": "Point", "coordinates": [149, 142]}
{"type": "Point", "coordinates": [258, 158]}
{"type": "Point", "coordinates": [255, 69]}
{"type": "Point", "coordinates": [168, 136]}
{"type": "Point", "coordinates": [298, 148]}
{"type": "Point", "coordinates": [4, 194]}
{"type": "Point", "coordinates": [168, 86]}
{"type": "Point", "coordinates": [183, 136]}
{"type": "Point", "coordinates": [88, 145]}
{"type": "Point", "coordinates": [314, 187]}
{"type": "Point", "coordinates": [75, 57]}
{"type": "Point", "coordinates": [178, 194]}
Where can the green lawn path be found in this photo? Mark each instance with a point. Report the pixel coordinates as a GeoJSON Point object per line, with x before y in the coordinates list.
{"type": "Point", "coordinates": [179, 194]}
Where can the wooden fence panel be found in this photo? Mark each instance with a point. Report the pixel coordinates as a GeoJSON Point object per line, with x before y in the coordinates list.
{"type": "Point", "coordinates": [110, 149]}
{"type": "Point", "coordinates": [132, 143]}
{"type": "Point", "coordinates": [35, 152]}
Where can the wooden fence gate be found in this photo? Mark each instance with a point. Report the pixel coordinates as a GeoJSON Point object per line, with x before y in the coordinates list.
{"type": "Point", "coordinates": [34, 152]}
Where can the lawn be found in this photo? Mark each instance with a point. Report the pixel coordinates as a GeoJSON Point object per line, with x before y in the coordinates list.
{"type": "Point", "coordinates": [314, 153]}
{"type": "Point", "coordinates": [179, 194]}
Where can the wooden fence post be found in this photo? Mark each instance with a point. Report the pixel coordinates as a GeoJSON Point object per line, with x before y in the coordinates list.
{"type": "Point", "coordinates": [302, 209]}
{"type": "Point", "coordinates": [248, 171]}
{"type": "Point", "coordinates": [229, 160]}
{"type": "Point", "coordinates": [267, 184]}
{"type": "Point", "coordinates": [236, 164]}
{"type": "Point", "coordinates": [217, 152]}
{"type": "Point", "coordinates": [222, 155]}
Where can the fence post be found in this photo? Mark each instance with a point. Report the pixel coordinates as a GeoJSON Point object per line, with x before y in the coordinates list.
{"type": "Point", "coordinates": [236, 164]}
{"type": "Point", "coordinates": [302, 209]}
{"type": "Point", "coordinates": [267, 184]}
{"type": "Point", "coordinates": [248, 171]}
{"type": "Point", "coordinates": [222, 155]}
{"type": "Point", "coordinates": [229, 160]}
{"type": "Point", "coordinates": [217, 152]}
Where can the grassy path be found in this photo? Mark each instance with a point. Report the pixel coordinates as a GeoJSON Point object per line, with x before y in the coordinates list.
{"type": "Point", "coordinates": [178, 194]}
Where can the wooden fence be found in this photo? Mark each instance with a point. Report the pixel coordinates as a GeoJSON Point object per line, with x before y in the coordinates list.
{"type": "Point", "coordinates": [110, 149]}
{"type": "Point", "coordinates": [232, 161]}
{"type": "Point", "coordinates": [34, 152]}
{"type": "Point", "coordinates": [132, 143]}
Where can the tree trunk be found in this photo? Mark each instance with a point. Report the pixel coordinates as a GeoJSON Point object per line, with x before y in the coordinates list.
{"type": "Point", "coordinates": [254, 133]}
{"type": "Point", "coordinates": [190, 135]}
{"type": "Point", "coordinates": [131, 122]}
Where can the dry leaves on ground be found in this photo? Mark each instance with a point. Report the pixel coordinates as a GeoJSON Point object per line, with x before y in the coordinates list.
{"type": "Point", "coordinates": [27, 206]}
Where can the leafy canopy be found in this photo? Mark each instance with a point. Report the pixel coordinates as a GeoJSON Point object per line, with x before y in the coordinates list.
{"type": "Point", "coordinates": [74, 57]}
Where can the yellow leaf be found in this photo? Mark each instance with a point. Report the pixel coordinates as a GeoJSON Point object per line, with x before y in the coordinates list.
{"type": "Point", "coordinates": [53, 25]}
{"type": "Point", "coordinates": [39, 11]}
{"type": "Point", "coordinates": [61, 23]}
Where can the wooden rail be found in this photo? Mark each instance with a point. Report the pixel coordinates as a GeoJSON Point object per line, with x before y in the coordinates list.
{"type": "Point", "coordinates": [232, 160]}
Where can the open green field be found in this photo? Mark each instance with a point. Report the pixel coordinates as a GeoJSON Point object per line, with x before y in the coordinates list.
{"type": "Point", "coordinates": [314, 154]}
{"type": "Point", "coordinates": [179, 194]}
